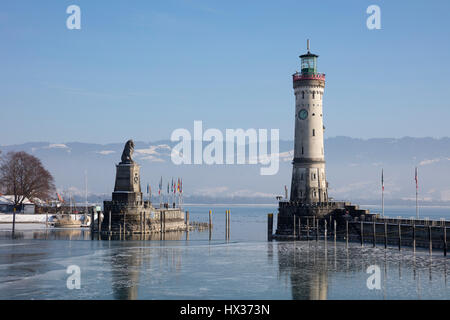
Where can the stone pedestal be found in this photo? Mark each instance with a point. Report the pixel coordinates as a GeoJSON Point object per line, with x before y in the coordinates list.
{"type": "Point", "coordinates": [129, 213]}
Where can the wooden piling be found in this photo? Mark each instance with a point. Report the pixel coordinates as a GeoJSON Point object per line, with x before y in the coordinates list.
{"type": "Point", "coordinates": [141, 228]}
{"type": "Point", "coordinates": [317, 229]}
{"type": "Point", "coordinates": [99, 221]}
{"type": "Point", "coordinates": [124, 225]}
{"type": "Point", "coordinates": [92, 223]}
{"type": "Point", "coordinates": [399, 236]}
{"type": "Point", "coordinates": [346, 232]}
{"type": "Point", "coordinates": [325, 230]}
{"type": "Point", "coordinates": [335, 230]}
{"type": "Point", "coordinates": [374, 233]}
{"type": "Point", "coordinates": [269, 226]}
{"type": "Point", "coordinates": [109, 222]}
{"type": "Point", "coordinates": [46, 219]}
{"type": "Point", "coordinates": [445, 239]}
{"type": "Point", "coordinates": [414, 235]}
{"type": "Point", "coordinates": [307, 228]}
{"type": "Point", "coordinates": [362, 233]}
{"type": "Point", "coordinates": [209, 223]}
{"type": "Point", "coordinates": [187, 221]}
{"type": "Point", "coordinates": [145, 222]}
{"type": "Point", "coordinates": [299, 228]}
{"type": "Point", "coordinates": [14, 222]}
{"type": "Point", "coordinates": [226, 224]}
{"type": "Point", "coordinates": [293, 229]}
{"type": "Point", "coordinates": [229, 224]}
{"type": "Point", "coordinates": [430, 239]}
{"type": "Point", "coordinates": [161, 222]}
{"type": "Point", "coordinates": [385, 234]}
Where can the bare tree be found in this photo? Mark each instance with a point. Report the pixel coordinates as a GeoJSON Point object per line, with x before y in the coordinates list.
{"type": "Point", "coordinates": [24, 176]}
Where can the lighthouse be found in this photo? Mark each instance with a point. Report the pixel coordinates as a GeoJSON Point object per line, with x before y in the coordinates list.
{"type": "Point", "coordinates": [309, 183]}
{"type": "Point", "coordinates": [309, 202]}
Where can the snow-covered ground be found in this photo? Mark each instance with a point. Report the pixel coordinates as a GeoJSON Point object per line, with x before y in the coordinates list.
{"type": "Point", "coordinates": [30, 218]}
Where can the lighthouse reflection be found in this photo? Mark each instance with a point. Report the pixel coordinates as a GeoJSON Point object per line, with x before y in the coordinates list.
{"type": "Point", "coordinates": [305, 266]}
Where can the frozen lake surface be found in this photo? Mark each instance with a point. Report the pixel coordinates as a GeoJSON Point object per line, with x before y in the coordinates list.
{"type": "Point", "coordinates": [33, 265]}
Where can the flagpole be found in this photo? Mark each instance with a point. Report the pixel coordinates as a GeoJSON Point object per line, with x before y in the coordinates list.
{"type": "Point", "coordinates": [382, 193]}
{"type": "Point", "coordinates": [417, 195]}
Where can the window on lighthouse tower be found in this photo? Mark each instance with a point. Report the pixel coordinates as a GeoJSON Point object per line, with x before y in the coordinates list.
{"type": "Point", "coordinates": [314, 132]}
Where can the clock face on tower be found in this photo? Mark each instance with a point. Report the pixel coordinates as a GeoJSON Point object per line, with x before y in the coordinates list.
{"type": "Point", "coordinates": [303, 114]}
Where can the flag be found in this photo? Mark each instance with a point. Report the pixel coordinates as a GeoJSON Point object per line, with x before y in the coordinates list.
{"type": "Point", "coordinates": [181, 185]}
{"type": "Point", "coordinates": [171, 186]}
{"type": "Point", "coordinates": [382, 181]}
{"type": "Point", "coordinates": [168, 187]}
{"type": "Point", "coordinates": [417, 180]}
{"type": "Point", "coordinates": [160, 187]}
{"type": "Point", "coordinates": [59, 197]}
{"type": "Point", "coordinates": [178, 185]}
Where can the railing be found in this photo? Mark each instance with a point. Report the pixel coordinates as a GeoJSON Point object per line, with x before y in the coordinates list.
{"type": "Point", "coordinates": [315, 76]}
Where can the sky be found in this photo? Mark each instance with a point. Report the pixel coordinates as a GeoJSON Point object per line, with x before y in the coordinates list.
{"type": "Point", "coordinates": [141, 69]}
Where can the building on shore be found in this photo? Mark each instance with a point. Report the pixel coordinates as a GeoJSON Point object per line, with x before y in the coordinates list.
{"type": "Point", "coordinates": [7, 205]}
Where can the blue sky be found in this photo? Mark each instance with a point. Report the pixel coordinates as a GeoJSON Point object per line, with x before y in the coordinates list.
{"type": "Point", "coordinates": [140, 69]}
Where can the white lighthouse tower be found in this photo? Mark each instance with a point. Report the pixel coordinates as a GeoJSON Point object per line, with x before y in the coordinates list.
{"type": "Point", "coordinates": [309, 183]}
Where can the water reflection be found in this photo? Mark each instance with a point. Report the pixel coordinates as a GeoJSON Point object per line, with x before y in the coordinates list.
{"type": "Point", "coordinates": [135, 262]}
{"type": "Point", "coordinates": [307, 268]}
{"type": "Point", "coordinates": [313, 275]}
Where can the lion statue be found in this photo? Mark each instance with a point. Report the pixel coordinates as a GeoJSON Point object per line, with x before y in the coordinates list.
{"type": "Point", "coordinates": [128, 152]}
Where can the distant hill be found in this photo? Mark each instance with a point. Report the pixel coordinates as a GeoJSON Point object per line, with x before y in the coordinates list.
{"type": "Point", "coordinates": [353, 170]}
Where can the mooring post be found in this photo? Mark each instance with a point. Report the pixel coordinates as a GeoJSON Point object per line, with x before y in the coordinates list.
{"type": "Point", "coordinates": [269, 226]}
{"type": "Point", "coordinates": [430, 239]}
{"type": "Point", "coordinates": [374, 233]}
{"type": "Point", "coordinates": [314, 223]}
{"type": "Point", "coordinates": [46, 219]}
{"type": "Point", "coordinates": [325, 231]}
{"type": "Point", "coordinates": [187, 221]}
{"type": "Point", "coordinates": [414, 235]}
{"type": "Point", "coordinates": [399, 235]}
{"type": "Point", "coordinates": [141, 228]}
{"type": "Point", "coordinates": [362, 232]}
{"type": "Point", "coordinates": [307, 228]}
{"type": "Point", "coordinates": [210, 223]}
{"type": "Point", "coordinates": [124, 225]}
{"type": "Point", "coordinates": [335, 229]}
{"type": "Point", "coordinates": [385, 234]}
{"type": "Point", "coordinates": [14, 222]}
{"type": "Point", "coordinates": [226, 224]}
{"type": "Point", "coordinates": [99, 223]}
{"type": "Point", "coordinates": [299, 229]}
{"type": "Point", "coordinates": [317, 229]}
{"type": "Point", "coordinates": [109, 222]}
{"type": "Point", "coordinates": [229, 223]}
{"type": "Point", "coordinates": [445, 239]}
{"type": "Point", "coordinates": [346, 232]}
{"type": "Point", "coordinates": [145, 222]}
{"type": "Point", "coordinates": [293, 229]}
{"type": "Point", "coordinates": [161, 222]}
{"type": "Point", "coordinates": [92, 222]}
